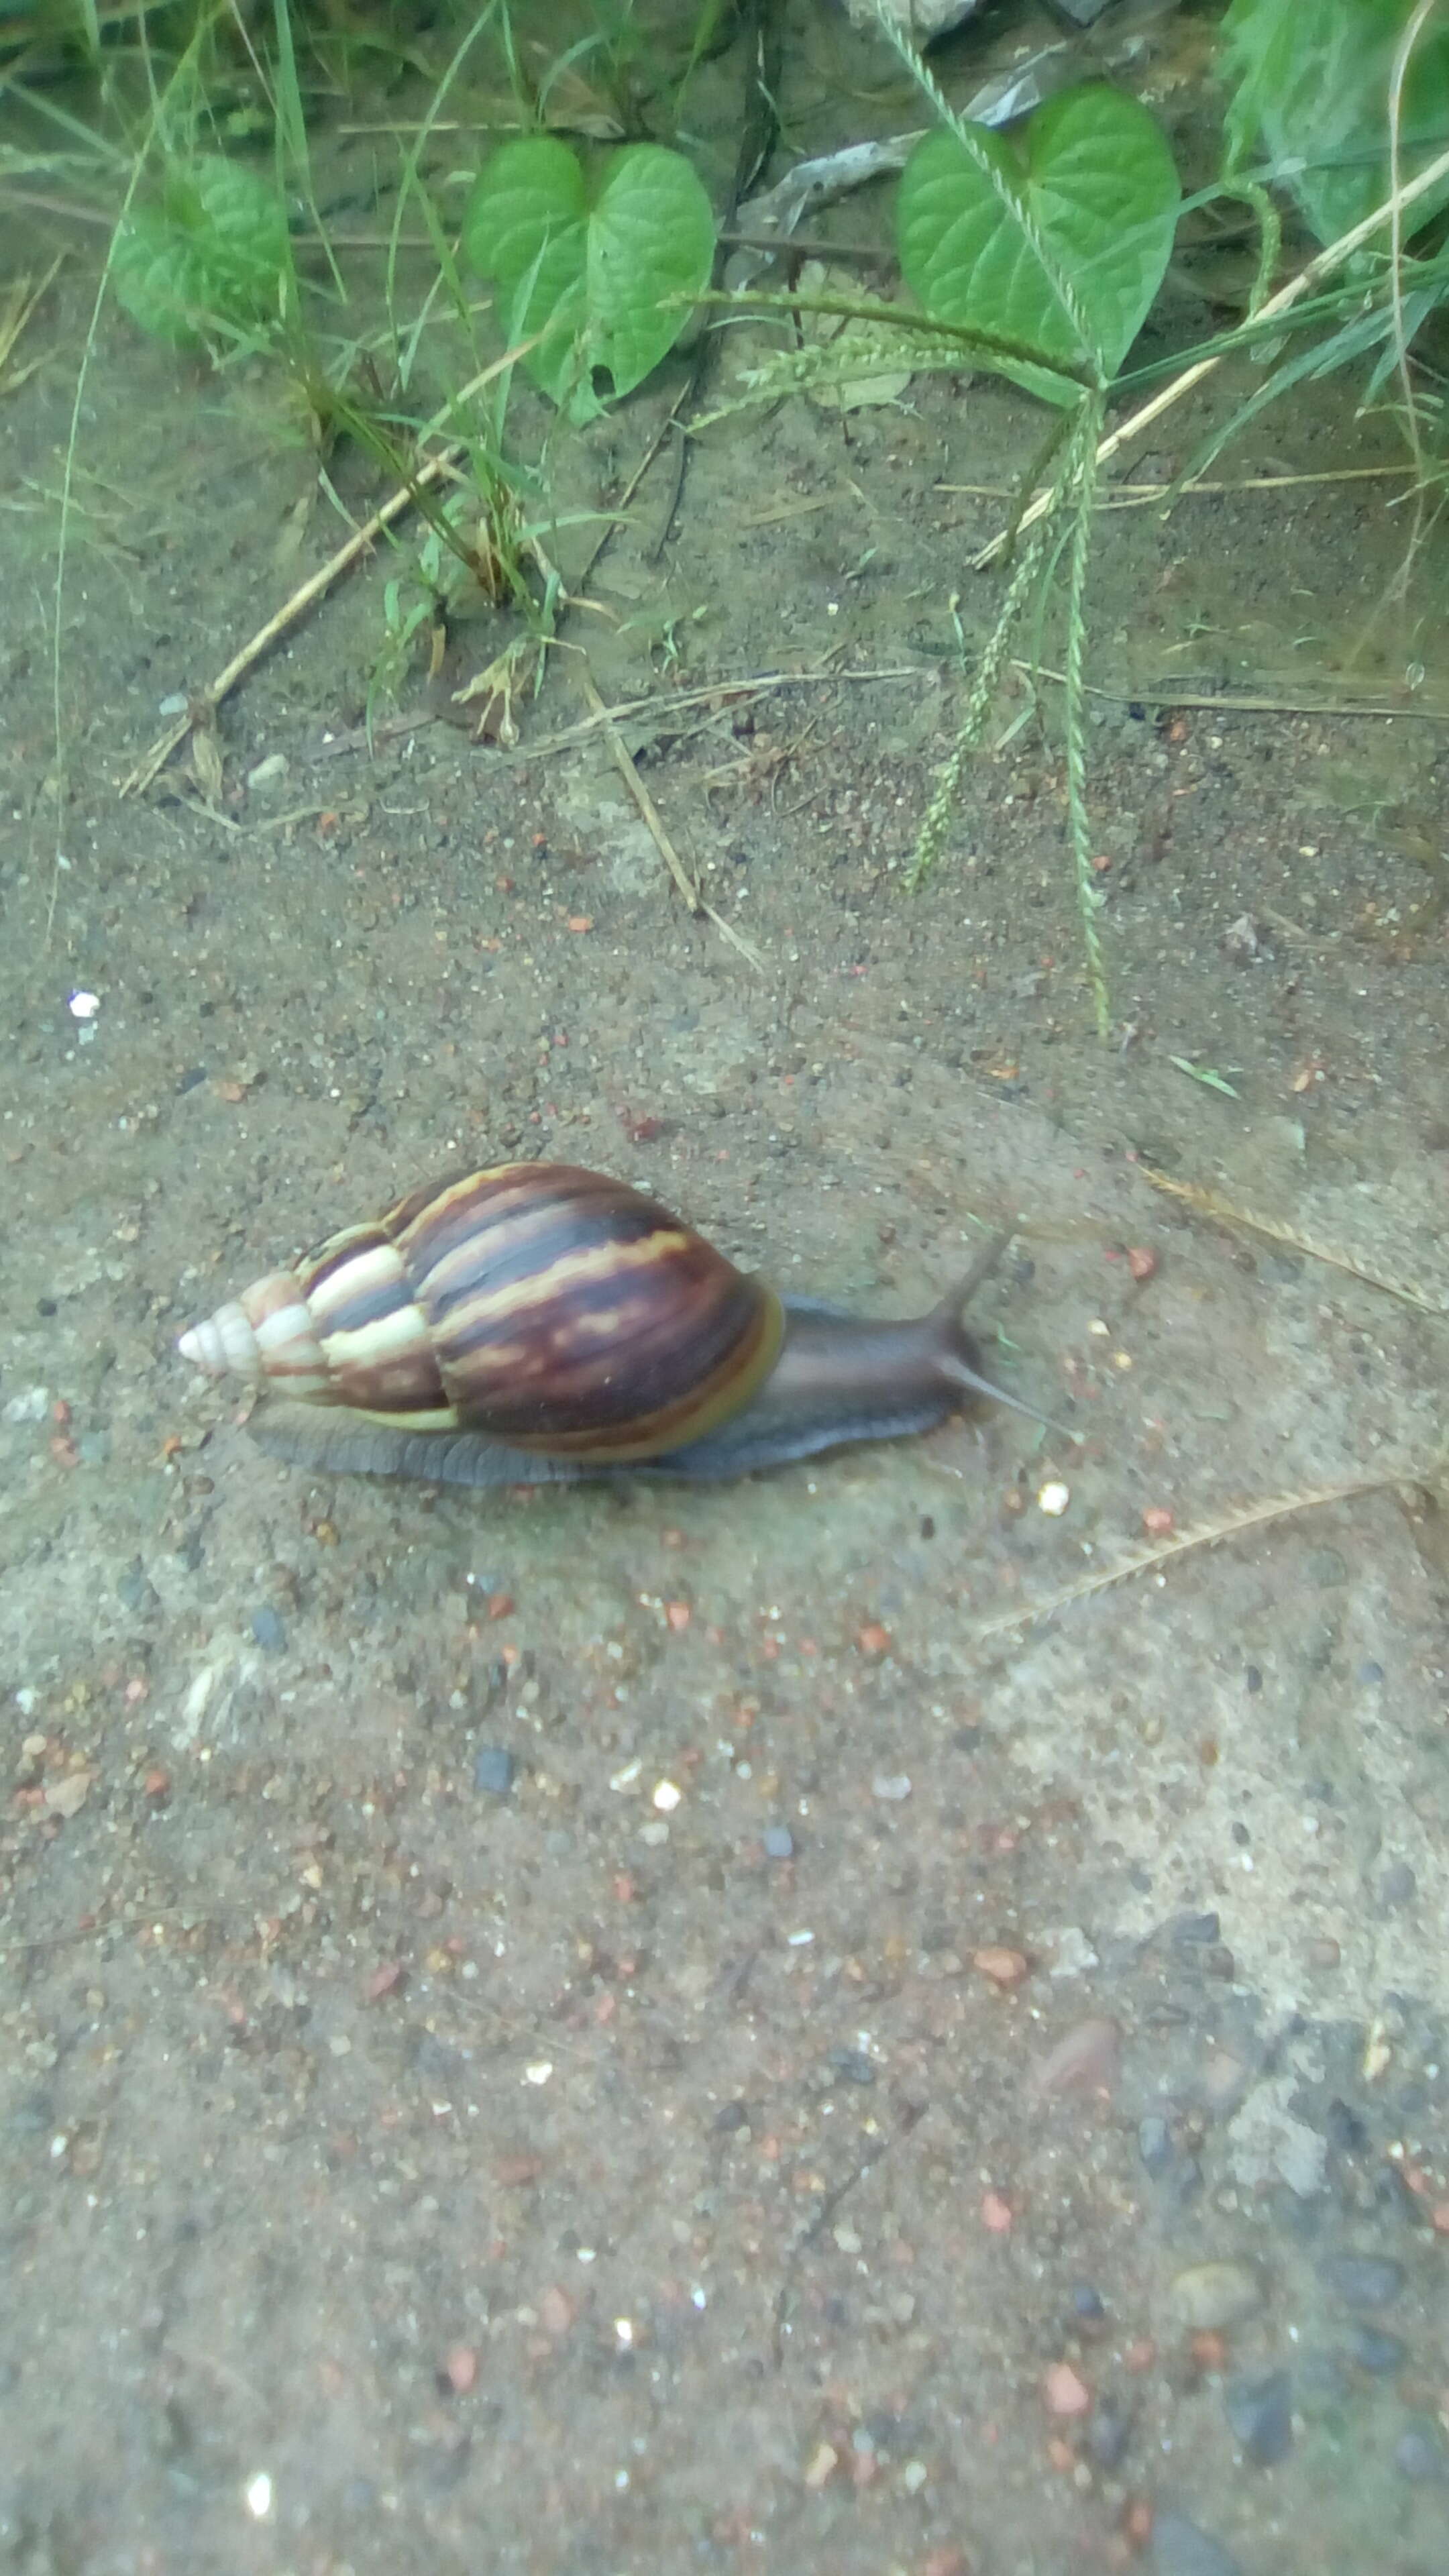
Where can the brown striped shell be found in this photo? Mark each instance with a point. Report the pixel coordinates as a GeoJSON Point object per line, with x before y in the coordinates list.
{"type": "Point", "coordinates": [549, 1306]}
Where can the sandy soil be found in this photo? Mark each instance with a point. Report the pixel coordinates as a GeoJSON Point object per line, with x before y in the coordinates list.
{"type": "Point", "coordinates": [993, 2119]}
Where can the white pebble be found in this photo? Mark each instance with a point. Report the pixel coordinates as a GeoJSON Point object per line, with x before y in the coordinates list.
{"type": "Point", "coordinates": [1053, 1500]}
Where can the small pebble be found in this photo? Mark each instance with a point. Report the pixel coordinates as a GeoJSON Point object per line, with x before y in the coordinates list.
{"type": "Point", "coordinates": [1398, 1885]}
{"type": "Point", "coordinates": [1217, 2294]}
{"type": "Point", "coordinates": [1260, 2416]}
{"type": "Point", "coordinates": [1370, 1675]}
{"type": "Point", "coordinates": [1053, 1499]}
{"type": "Point", "coordinates": [1364, 2280]}
{"type": "Point", "coordinates": [460, 2369]}
{"type": "Point", "coordinates": [135, 1589]}
{"type": "Point", "coordinates": [1325, 1568]}
{"type": "Point", "coordinates": [779, 1842]}
{"type": "Point", "coordinates": [1083, 2060]}
{"type": "Point", "coordinates": [1087, 2303]}
{"type": "Point", "coordinates": [892, 1786]}
{"type": "Point", "coordinates": [1154, 2144]}
{"type": "Point", "coordinates": [1065, 2391]}
{"type": "Point", "coordinates": [852, 2065]}
{"type": "Point", "coordinates": [268, 1631]}
{"type": "Point", "coordinates": [174, 705]}
{"type": "Point", "coordinates": [1191, 1929]}
{"type": "Point", "coordinates": [1108, 2435]}
{"type": "Point", "coordinates": [1004, 1968]}
{"type": "Point", "coordinates": [494, 1769]}
{"type": "Point", "coordinates": [1181, 2548]}
{"type": "Point", "coordinates": [1376, 2351]}
{"type": "Point", "coordinates": [822, 2464]}
{"type": "Point", "coordinates": [1074, 1954]}
{"type": "Point", "coordinates": [1419, 2456]}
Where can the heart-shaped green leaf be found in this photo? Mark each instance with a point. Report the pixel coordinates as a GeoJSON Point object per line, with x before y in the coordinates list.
{"type": "Point", "coordinates": [1058, 238]}
{"type": "Point", "coordinates": [1312, 84]}
{"type": "Point", "coordinates": [594, 276]}
{"type": "Point", "coordinates": [206, 261]}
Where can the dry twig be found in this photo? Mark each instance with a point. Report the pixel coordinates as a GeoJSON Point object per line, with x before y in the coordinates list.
{"type": "Point", "coordinates": [1208, 1203]}
{"type": "Point", "coordinates": [1232, 1525]}
{"type": "Point", "coordinates": [436, 470]}
{"type": "Point", "coordinates": [654, 820]}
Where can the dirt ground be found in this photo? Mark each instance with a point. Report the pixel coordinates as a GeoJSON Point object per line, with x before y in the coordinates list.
{"type": "Point", "coordinates": [654, 2030]}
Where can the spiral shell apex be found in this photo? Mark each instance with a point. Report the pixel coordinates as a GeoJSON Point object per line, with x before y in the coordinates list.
{"type": "Point", "coordinates": [551, 1307]}
{"type": "Point", "coordinates": [265, 1335]}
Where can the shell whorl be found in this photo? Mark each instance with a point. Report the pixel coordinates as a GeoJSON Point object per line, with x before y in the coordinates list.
{"type": "Point", "coordinates": [264, 1335]}
{"type": "Point", "coordinates": [549, 1306]}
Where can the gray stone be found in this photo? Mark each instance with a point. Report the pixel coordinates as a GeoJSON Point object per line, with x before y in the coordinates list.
{"type": "Point", "coordinates": [1364, 2280]}
{"type": "Point", "coordinates": [1108, 2434]}
{"type": "Point", "coordinates": [1260, 2414]}
{"type": "Point", "coordinates": [1208, 2296]}
{"type": "Point", "coordinates": [1154, 2144]}
{"type": "Point", "coordinates": [1418, 2454]}
{"type": "Point", "coordinates": [1375, 2351]}
{"type": "Point", "coordinates": [1180, 2548]}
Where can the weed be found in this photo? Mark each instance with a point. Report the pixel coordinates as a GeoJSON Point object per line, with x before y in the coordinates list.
{"type": "Point", "coordinates": [1039, 255]}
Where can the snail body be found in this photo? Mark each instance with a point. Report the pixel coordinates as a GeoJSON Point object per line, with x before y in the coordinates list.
{"type": "Point", "coordinates": [536, 1323]}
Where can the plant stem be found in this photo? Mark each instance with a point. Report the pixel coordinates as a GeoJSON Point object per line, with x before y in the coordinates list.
{"type": "Point", "coordinates": [1082, 469]}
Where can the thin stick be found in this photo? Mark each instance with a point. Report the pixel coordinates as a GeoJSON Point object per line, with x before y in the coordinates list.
{"type": "Point", "coordinates": [655, 822]}
{"type": "Point", "coordinates": [1139, 496]}
{"type": "Point", "coordinates": [1208, 1203]}
{"type": "Point", "coordinates": [1167, 696]}
{"type": "Point", "coordinates": [1297, 287]}
{"type": "Point", "coordinates": [21, 304]}
{"type": "Point", "coordinates": [1255, 1516]}
{"type": "Point", "coordinates": [733, 692]}
{"type": "Point", "coordinates": [437, 468]}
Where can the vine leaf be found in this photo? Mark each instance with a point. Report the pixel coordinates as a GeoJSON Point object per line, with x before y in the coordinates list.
{"type": "Point", "coordinates": [1311, 84]}
{"type": "Point", "coordinates": [1079, 209]}
{"type": "Point", "coordinates": [208, 258]}
{"type": "Point", "coordinates": [609, 277]}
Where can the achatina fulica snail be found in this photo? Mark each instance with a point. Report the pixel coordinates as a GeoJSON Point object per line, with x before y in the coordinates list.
{"type": "Point", "coordinates": [538, 1324]}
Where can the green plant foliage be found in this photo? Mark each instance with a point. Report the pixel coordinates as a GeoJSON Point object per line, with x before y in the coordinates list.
{"type": "Point", "coordinates": [609, 275]}
{"type": "Point", "coordinates": [1311, 83]}
{"type": "Point", "coordinates": [1079, 210]}
{"type": "Point", "coordinates": [207, 260]}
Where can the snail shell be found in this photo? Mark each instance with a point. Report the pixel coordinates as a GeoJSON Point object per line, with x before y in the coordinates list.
{"type": "Point", "coordinates": [536, 1322]}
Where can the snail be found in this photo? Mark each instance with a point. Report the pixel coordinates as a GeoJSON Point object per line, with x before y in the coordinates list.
{"type": "Point", "coordinates": [535, 1323]}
